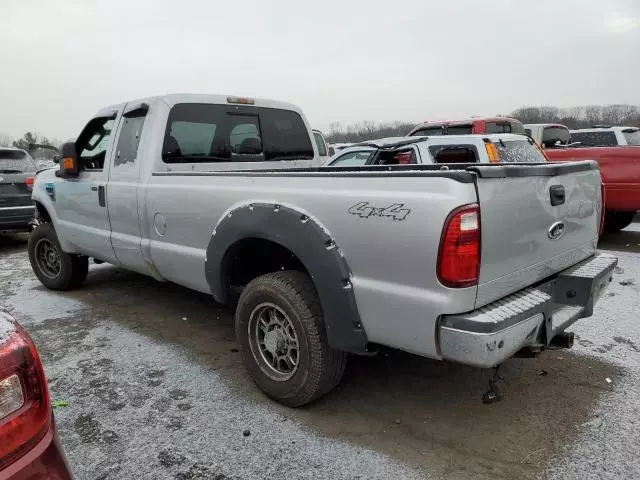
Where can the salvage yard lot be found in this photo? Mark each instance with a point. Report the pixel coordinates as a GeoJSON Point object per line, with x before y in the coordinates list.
{"type": "Point", "coordinates": [155, 388]}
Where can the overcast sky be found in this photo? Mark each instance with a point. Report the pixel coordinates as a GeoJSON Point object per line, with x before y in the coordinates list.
{"type": "Point", "coordinates": [346, 60]}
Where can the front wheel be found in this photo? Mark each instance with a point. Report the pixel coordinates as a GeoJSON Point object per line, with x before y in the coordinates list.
{"type": "Point", "coordinates": [281, 332]}
{"type": "Point", "coordinates": [615, 221]}
{"type": "Point", "coordinates": [54, 268]}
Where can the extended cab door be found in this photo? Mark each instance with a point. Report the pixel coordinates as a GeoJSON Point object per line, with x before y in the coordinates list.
{"type": "Point", "coordinates": [83, 219]}
{"type": "Point", "coordinates": [123, 189]}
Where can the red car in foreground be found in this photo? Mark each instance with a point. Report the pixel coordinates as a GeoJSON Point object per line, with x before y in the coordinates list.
{"type": "Point", "coordinates": [29, 447]}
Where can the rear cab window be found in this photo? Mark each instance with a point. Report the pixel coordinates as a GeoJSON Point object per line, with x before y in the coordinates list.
{"type": "Point", "coordinates": [519, 151]}
{"type": "Point", "coordinates": [429, 131]}
{"type": "Point", "coordinates": [632, 136]}
{"type": "Point", "coordinates": [505, 127]}
{"type": "Point", "coordinates": [16, 161]}
{"type": "Point", "coordinates": [552, 135]}
{"type": "Point", "coordinates": [444, 129]}
{"type": "Point", "coordinates": [454, 153]}
{"type": "Point", "coordinates": [495, 127]}
{"type": "Point", "coordinates": [198, 132]}
{"type": "Point", "coordinates": [595, 139]}
{"type": "Point", "coordinates": [459, 129]}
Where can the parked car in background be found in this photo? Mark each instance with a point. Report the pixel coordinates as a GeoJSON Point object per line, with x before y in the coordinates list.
{"type": "Point", "coordinates": [323, 148]}
{"type": "Point", "coordinates": [497, 148]}
{"type": "Point", "coordinates": [352, 156]}
{"type": "Point", "coordinates": [336, 147]}
{"type": "Point", "coordinates": [17, 174]}
{"type": "Point", "coordinates": [619, 166]}
{"type": "Point", "coordinates": [606, 136]}
{"type": "Point", "coordinates": [44, 155]}
{"type": "Point", "coordinates": [29, 446]}
{"type": "Point", "coordinates": [479, 125]}
{"type": "Point", "coordinates": [459, 262]}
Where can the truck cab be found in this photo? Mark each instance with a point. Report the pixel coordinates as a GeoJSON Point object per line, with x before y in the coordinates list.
{"type": "Point", "coordinates": [607, 136]}
{"type": "Point", "coordinates": [477, 125]}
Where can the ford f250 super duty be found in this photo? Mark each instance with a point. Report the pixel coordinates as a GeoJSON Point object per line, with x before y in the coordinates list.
{"type": "Point", "coordinates": [466, 263]}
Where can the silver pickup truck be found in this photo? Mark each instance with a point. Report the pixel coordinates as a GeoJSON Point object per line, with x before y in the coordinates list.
{"type": "Point", "coordinates": [466, 263]}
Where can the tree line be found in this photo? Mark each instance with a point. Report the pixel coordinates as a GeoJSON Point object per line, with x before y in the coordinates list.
{"type": "Point", "coordinates": [28, 139]}
{"type": "Point", "coordinates": [575, 117]}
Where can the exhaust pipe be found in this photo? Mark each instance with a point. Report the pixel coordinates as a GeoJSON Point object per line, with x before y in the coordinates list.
{"type": "Point", "coordinates": [563, 340]}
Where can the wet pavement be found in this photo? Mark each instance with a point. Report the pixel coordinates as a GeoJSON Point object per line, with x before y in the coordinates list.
{"type": "Point", "coordinates": [156, 390]}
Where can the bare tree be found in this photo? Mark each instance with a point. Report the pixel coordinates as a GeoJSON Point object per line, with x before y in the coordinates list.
{"type": "Point", "coordinates": [5, 140]}
{"type": "Point", "coordinates": [575, 117]}
{"type": "Point", "coordinates": [581, 117]}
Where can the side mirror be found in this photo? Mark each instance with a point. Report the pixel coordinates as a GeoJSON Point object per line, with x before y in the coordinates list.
{"type": "Point", "coordinates": [69, 165]}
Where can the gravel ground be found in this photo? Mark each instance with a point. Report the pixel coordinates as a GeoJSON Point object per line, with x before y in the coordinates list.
{"type": "Point", "coordinates": [156, 390]}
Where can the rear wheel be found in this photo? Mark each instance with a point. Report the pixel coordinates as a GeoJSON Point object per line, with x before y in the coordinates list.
{"type": "Point", "coordinates": [54, 268]}
{"type": "Point", "coordinates": [615, 221]}
{"type": "Point", "coordinates": [282, 336]}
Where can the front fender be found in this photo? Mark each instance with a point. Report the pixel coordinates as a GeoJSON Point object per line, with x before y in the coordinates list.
{"type": "Point", "coordinates": [44, 196]}
{"type": "Point", "coordinates": [312, 244]}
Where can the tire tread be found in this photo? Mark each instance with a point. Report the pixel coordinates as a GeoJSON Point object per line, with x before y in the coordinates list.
{"type": "Point", "coordinates": [327, 365]}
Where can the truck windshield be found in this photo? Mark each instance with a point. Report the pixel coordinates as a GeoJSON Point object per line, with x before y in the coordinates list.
{"type": "Point", "coordinates": [16, 161]}
{"type": "Point", "coordinates": [519, 151]}
{"type": "Point", "coordinates": [632, 136]}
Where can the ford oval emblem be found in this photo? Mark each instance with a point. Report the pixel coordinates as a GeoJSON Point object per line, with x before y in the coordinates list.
{"type": "Point", "coordinates": [556, 230]}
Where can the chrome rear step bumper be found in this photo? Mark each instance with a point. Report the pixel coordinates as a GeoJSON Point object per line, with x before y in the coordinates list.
{"type": "Point", "coordinates": [534, 316]}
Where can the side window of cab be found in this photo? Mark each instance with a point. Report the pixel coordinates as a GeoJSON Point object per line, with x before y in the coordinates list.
{"type": "Point", "coordinates": [91, 146]}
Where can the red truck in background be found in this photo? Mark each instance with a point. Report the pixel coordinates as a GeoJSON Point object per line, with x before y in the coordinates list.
{"type": "Point", "coordinates": [470, 126]}
{"type": "Point", "coordinates": [619, 168]}
{"type": "Point", "coordinates": [619, 165]}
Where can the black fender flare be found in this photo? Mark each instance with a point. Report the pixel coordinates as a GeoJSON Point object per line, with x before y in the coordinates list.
{"type": "Point", "coordinates": [314, 247]}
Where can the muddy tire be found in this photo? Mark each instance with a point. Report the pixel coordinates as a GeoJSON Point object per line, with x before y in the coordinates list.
{"type": "Point", "coordinates": [616, 221]}
{"type": "Point", "coordinates": [281, 333]}
{"type": "Point", "coordinates": [54, 268]}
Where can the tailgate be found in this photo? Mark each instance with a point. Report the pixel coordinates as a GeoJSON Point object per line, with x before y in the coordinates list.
{"type": "Point", "coordinates": [536, 220]}
{"type": "Point", "coordinates": [14, 192]}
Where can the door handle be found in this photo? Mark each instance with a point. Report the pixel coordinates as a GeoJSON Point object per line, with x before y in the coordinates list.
{"type": "Point", "coordinates": [94, 188]}
{"type": "Point", "coordinates": [556, 195]}
{"type": "Point", "coordinates": [102, 199]}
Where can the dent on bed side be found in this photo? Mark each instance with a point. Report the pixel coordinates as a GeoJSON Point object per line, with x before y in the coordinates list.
{"type": "Point", "coordinates": [268, 231]}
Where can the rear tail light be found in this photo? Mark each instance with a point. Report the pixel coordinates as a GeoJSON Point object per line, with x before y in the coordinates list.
{"type": "Point", "coordinates": [29, 182]}
{"type": "Point", "coordinates": [25, 413]}
{"type": "Point", "coordinates": [492, 152]}
{"type": "Point", "coordinates": [459, 254]}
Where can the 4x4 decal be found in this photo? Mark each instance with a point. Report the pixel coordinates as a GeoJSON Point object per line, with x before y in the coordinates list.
{"type": "Point", "coordinates": [397, 211]}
